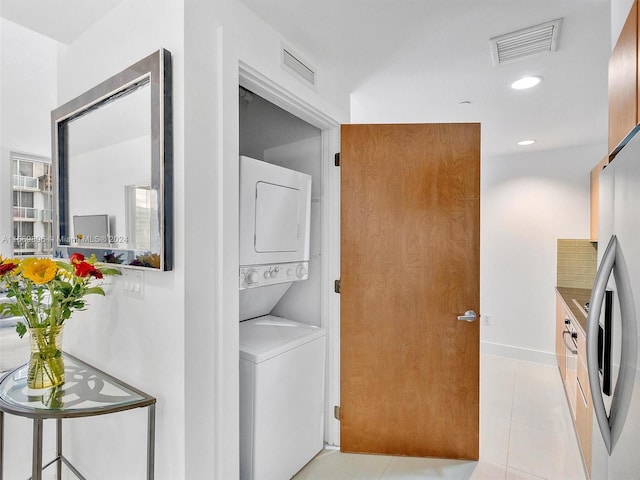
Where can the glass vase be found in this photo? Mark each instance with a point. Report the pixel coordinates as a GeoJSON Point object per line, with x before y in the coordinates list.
{"type": "Point", "coordinates": [46, 365]}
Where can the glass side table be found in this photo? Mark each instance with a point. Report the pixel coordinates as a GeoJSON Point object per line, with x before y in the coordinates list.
{"type": "Point", "coordinates": [86, 392]}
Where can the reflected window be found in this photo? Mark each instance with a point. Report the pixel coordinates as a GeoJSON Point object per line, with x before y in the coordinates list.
{"type": "Point", "coordinates": [142, 215]}
{"type": "Point", "coordinates": [32, 205]}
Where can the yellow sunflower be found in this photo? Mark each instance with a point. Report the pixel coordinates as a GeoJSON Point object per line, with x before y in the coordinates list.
{"type": "Point", "coordinates": [39, 270]}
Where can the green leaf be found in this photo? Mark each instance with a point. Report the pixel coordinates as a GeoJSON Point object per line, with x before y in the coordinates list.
{"type": "Point", "coordinates": [110, 271]}
{"type": "Point", "coordinates": [10, 308]}
{"type": "Point", "coordinates": [21, 328]}
{"type": "Point", "coordinates": [96, 290]}
{"type": "Point", "coordinates": [66, 266]}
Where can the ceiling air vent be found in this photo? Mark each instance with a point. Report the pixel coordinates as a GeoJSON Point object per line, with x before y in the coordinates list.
{"type": "Point", "coordinates": [526, 43]}
{"type": "Point", "coordinates": [301, 69]}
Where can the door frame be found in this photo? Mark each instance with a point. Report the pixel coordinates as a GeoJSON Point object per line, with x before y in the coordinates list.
{"type": "Point", "coordinates": [270, 90]}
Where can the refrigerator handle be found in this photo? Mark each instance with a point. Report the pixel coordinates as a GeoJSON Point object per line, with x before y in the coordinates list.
{"type": "Point", "coordinates": [611, 425]}
{"type": "Point", "coordinates": [593, 318]}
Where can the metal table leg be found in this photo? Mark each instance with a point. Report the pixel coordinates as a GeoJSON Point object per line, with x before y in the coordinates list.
{"type": "Point", "coordinates": [36, 461]}
{"type": "Point", "coordinates": [151, 441]}
{"type": "Point", "coordinates": [1, 444]}
{"type": "Point", "coordinates": [58, 448]}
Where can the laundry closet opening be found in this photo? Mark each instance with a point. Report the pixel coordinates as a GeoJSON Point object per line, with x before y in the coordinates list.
{"type": "Point", "coordinates": [282, 347]}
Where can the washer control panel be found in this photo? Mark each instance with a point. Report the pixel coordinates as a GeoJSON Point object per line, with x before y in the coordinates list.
{"type": "Point", "coordinates": [260, 275]}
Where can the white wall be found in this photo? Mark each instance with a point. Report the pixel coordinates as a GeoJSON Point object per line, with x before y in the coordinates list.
{"type": "Point", "coordinates": [28, 88]}
{"type": "Point", "coordinates": [139, 341]}
{"type": "Point", "coordinates": [219, 37]}
{"type": "Point", "coordinates": [529, 201]}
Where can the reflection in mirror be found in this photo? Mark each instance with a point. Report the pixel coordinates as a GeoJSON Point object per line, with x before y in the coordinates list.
{"type": "Point", "coordinates": [107, 147]}
{"type": "Point", "coordinates": [142, 216]}
{"type": "Point", "coordinates": [112, 151]}
{"type": "Point", "coordinates": [31, 208]}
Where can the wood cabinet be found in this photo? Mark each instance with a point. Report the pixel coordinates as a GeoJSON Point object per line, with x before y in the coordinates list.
{"type": "Point", "coordinates": [584, 405]}
{"type": "Point", "coordinates": [595, 198]}
{"type": "Point", "coordinates": [560, 348]}
{"type": "Point", "coordinates": [576, 378]}
{"type": "Point", "coordinates": [623, 82]}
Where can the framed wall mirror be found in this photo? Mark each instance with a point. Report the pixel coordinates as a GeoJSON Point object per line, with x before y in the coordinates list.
{"type": "Point", "coordinates": [113, 168]}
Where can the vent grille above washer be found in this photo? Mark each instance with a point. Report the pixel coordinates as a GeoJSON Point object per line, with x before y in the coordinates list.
{"type": "Point", "coordinates": [525, 43]}
{"type": "Point", "coordinates": [298, 67]}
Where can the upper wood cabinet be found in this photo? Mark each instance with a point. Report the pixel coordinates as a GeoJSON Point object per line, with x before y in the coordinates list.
{"type": "Point", "coordinates": [595, 198]}
{"type": "Point", "coordinates": [623, 82]}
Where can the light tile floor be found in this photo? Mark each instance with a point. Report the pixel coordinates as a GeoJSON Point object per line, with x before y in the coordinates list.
{"type": "Point", "coordinates": [526, 433]}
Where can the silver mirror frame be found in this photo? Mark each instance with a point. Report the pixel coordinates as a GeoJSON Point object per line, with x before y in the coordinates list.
{"type": "Point", "coordinates": [154, 70]}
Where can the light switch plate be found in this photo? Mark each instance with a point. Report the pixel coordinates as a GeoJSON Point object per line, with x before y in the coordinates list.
{"type": "Point", "coordinates": [133, 283]}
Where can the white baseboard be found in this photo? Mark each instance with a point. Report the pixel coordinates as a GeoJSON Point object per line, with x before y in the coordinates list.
{"type": "Point", "coordinates": [519, 353]}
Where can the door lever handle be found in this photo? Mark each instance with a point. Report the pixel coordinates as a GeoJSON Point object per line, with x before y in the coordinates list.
{"type": "Point", "coordinates": [571, 349]}
{"type": "Point", "coordinates": [469, 316]}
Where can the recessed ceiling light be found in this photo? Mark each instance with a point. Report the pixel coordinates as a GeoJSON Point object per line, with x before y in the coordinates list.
{"type": "Point", "coordinates": [526, 82]}
{"type": "Point", "coordinates": [526, 142]}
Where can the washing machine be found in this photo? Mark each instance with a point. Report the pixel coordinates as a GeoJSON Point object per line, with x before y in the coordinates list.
{"type": "Point", "coordinates": [282, 371]}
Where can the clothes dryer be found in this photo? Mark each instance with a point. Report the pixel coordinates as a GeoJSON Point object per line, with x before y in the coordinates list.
{"type": "Point", "coordinates": [275, 212]}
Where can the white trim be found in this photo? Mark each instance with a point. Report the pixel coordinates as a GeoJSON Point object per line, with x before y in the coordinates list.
{"type": "Point", "coordinates": [261, 85]}
{"type": "Point", "coordinates": [519, 353]}
{"type": "Point", "coordinates": [270, 90]}
{"type": "Point", "coordinates": [331, 270]}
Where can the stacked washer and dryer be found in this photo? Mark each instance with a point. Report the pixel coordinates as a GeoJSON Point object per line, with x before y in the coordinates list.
{"type": "Point", "coordinates": [282, 361]}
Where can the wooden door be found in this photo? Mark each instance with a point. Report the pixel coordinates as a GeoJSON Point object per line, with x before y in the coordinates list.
{"type": "Point", "coordinates": [410, 215]}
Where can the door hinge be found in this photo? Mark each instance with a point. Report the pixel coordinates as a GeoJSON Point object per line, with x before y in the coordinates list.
{"type": "Point", "coordinates": [336, 159]}
{"type": "Point", "coordinates": [336, 286]}
{"type": "Point", "coordinates": [336, 412]}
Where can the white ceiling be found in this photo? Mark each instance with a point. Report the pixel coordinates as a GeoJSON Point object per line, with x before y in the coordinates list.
{"type": "Point", "coordinates": [416, 60]}
{"type": "Point", "coordinates": [62, 20]}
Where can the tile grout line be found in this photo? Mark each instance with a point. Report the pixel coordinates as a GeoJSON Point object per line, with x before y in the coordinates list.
{"type": "Point", "coordinates": [513, 399]}
{"type": "Point", "coordinates": [384, 470]}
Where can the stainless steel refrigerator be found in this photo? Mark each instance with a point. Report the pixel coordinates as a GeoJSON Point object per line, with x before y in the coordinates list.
{"type": "Point", "coordinates": [612, 324]}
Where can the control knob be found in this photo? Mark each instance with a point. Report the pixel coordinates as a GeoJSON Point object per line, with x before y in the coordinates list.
{"type": "Point", "coordinates": [251, 277]}
{"type": "Point", "coordinates": [301, 271]}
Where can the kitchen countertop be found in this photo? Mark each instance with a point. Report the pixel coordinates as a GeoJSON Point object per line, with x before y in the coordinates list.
{"type": "Point", "coordinates": [582, 296]}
